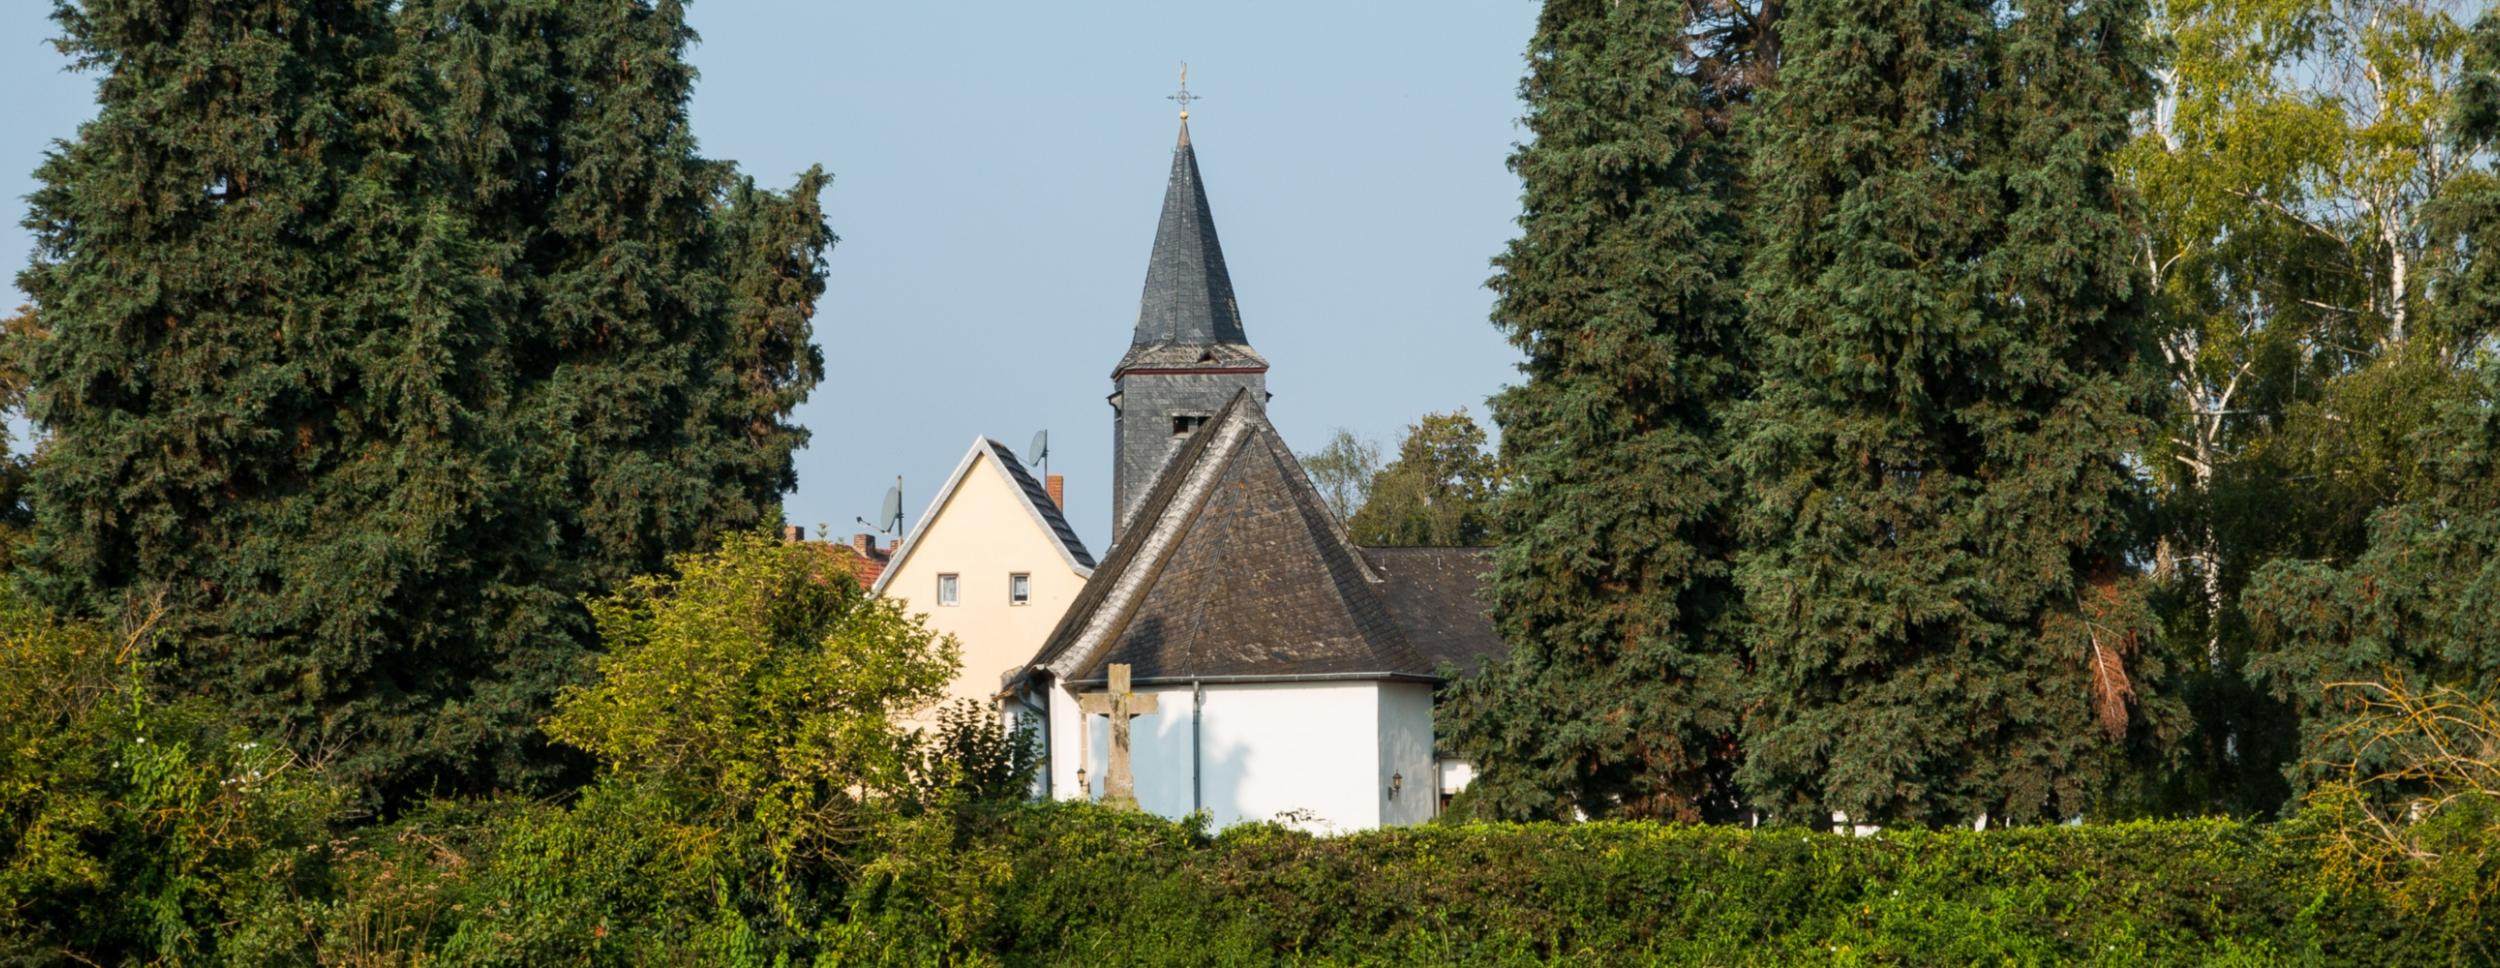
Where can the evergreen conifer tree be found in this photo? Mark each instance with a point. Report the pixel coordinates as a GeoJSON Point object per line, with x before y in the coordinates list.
{"type": "Point", "coordinates": [376, 336]}
{"type": "Point", "coordinates": [1944, 622]}
{"type": "Point", "coordinates": [1621, 694]}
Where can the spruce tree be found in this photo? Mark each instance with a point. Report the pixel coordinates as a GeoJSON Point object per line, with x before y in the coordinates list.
{"type": "Point", "coordinates": [377, 336]}
{"type": "Point", "coordinates": [1620, 696]}
{"type": "Point", "coordinates": [1944, 621]}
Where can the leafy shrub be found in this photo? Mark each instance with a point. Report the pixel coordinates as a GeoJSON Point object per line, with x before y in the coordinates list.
{"type": "Point", "coordinates": [134, 829]}
{"type": "Point", "coordinates": [2411, 801]}
{"type": "Point", "coordinates": [971, 755]}
{"type": "Point", "coordinates": [747, 722]}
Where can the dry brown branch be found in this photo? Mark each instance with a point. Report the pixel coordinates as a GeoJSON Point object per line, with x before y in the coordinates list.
{"type": "Point", "coordinates": [2407, 755]}
{"type": "Point", "coordinates": [2110, 641]}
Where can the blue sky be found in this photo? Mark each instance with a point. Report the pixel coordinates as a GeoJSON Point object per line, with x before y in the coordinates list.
{"type": "Point", "coordinates": [997, 171]}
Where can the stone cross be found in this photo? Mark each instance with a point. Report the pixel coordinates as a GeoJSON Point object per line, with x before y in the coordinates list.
{"type": "Point", "coordinates": [1119, 789]}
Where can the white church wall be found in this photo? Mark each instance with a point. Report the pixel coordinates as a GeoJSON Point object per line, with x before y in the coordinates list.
{"type": "Point", "coordinates": [1308, 752]}
{"type": "Point", "coordinates": [1066, 745]}
{"type": "Point", "coordinates": [1302, 749]}
{"type": "Point", "coordinates": [1405, 754]}
{"type": "Point", "coordinates": [1030, 708]}
{"type": "Point", "coordinates": [1158, 753]}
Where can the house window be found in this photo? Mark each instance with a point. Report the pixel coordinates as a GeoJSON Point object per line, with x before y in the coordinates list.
{"type": "Point", "coordinates": [946, 589]}
{"type": "Point", "coordinates": [1184, 423]}
{"type": "Point", "coordinates": [1019, 589]}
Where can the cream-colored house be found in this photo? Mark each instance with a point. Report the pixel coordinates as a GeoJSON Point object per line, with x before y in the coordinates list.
{"type": "Point", "coordinates": [993, 563]}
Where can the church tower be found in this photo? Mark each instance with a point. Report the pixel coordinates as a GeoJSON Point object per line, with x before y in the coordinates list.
{"type": "Point", "coordinates": [1189, 355]}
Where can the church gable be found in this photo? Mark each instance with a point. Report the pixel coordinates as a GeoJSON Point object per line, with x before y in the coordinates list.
{"type": "Point", "coordinates": [1237, 572]}
{"type": "Point", "coordinates": [1258, 584]}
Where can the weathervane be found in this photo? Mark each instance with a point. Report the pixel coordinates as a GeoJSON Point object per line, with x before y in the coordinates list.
{"type": "Point", "coordinates": [1184, 96]}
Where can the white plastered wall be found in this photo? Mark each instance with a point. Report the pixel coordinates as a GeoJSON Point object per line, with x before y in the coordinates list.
{"type": "Point", "coordinates": [1315, 754]}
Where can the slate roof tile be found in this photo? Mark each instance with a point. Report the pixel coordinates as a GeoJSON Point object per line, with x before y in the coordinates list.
{"type": "Point", "coordinates": [1234, 569]}
{"type": "Point", "coordinates": [1188, 307]}
{"type": "Point", "coordinates": [1039, 497]}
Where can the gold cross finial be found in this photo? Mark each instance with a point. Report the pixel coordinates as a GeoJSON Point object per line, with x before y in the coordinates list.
{"type": "Point", "coordinates": [1184, 96]}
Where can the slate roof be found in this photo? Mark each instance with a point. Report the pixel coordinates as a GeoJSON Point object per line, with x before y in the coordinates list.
{"type": "Point", "coordinates": [1187, 311]}
{"type": "Point", "coordinates": [1038, 498]}
{"type": "Point", "coordinates": [1434, 596]}
{"type": "Point", "coordinates": [1233, 569]}
{"type": "Point", "coordinates": [1036, 502]}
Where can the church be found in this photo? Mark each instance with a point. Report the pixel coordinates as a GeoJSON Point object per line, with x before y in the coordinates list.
{"type": "Point", "coordinates": [1234, 652]}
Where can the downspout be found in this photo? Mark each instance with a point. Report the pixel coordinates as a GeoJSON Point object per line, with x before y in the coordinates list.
{"type": "Point", "coordinates": [1197, 716]}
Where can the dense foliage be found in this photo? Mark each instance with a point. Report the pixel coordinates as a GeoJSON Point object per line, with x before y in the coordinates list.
{"type": "Point", "coordinates": [760, 681]}
{"type": "Point", "coordinates": [1943, 619]}
{"type": "Point", "coordinates": [135, 830]}
{"type": "Point", "coordinates": [2059, 326]}
{"type": "Point", "coordinates": [749, 723]}
{"type": "Point", "coordinates": [372, 336]}
{"type": "Point", "coordinates": [2417, 608]}
{"type": "Point", "coordinates": [2307, 203]}
{"type": "Point", "coordinates": [611, 883]}
{"type": "Point", "coordinates": [1611, 583]}
{"type": "Point", "coordinates": [1437, 492]}
{"type": "Point", "coordinates": [1097, 888]}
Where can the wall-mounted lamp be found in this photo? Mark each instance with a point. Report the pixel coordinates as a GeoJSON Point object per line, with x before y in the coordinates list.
{"type": "Point", "coordinates": [1396, 781]}
{"type": "Point", "coordinates": [1082, 790]}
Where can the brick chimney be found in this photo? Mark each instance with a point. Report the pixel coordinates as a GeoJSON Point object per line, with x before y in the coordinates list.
{"type": "Point", "coordinates": [793, 534]}
{"type": "Point", "coordinates": [864, 545]}
{"type": "Point", "coordinates": [1057, 485]}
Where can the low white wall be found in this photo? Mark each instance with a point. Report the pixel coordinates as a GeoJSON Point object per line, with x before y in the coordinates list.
{"type": "Point", "coordinates": [1293, 748]}
{"type": "Point", "coordinates": [1311, 751]}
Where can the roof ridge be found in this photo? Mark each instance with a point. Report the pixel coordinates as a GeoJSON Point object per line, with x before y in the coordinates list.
{"type": "Point", "coordinates": [1037, 498]}
{"type": "Point", "coordinates": [1113, 572]}
{"type": "Point", "coordinates": [1044, 512]}
{"type": "Point", "coordinates": [1332, 618]}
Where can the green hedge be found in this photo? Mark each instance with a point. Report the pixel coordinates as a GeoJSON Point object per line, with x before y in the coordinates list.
{"type": "Point", "coordinates": [1090, 887]}
{"type": "Point", "coordinates": [622, 877]}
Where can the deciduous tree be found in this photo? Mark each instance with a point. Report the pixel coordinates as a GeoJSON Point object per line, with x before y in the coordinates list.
{"type": "Point", "coordinates": [2414, 611]}
{"type": "Point", "coordinates": [1439, 491]}
{"type": "Point", "coordinates": [1343, 472]}
{"type": "Point", "coordinates": [2287, 173]}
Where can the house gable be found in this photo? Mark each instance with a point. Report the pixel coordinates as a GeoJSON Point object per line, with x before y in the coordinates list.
{"type": "Point", "coordinates": [989, 524]}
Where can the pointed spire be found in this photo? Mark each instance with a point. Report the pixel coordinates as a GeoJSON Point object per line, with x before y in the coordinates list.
{"type": "Point", "coordinates": [1189, 297]}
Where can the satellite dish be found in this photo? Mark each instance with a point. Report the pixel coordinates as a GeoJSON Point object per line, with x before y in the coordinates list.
{"type": "Point", "coordinates": [1039, 451]}
{"type": "Point", "coordinates": [890, 513]}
